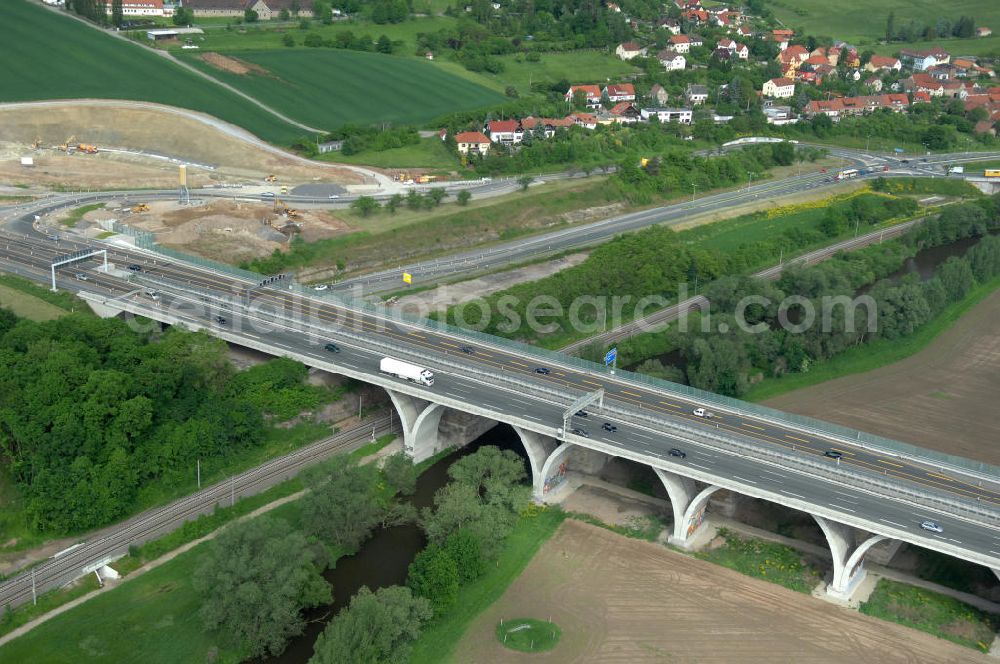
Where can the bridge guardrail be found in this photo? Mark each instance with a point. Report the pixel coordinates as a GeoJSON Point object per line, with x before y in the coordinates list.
{"type": "Point", "coordinates": [818, 427]}
{"type": "Point", "coordinates": [732, 441]}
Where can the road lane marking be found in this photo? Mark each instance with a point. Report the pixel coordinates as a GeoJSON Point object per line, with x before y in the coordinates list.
{"type": "Point", "coordinates": [698, 465]}
{"type": "Point", "coordinates": [753, 426]}
{"type": "Point", "coordinates": [520, 364]}
{"type": "Point", "coordinates": [591, 382]}
{"type": "Point", "coordinates": [743, 479]}
{"type": "Point", "coordinates": [841, 507]}
{"type": "Point", "coordinates": [892, 522]}
{"type": "Point", "coordinates": [837, 449]}
{"type": "Point", "coordinates": [770, 472]}
{"type": "Point", "coordinates": [632, 393]}
{"type": "Point", "coordinates": [944, 477]}
{"type": "Point", "coordinates": [789, 493]}
{"type": "Point", "coordinates": [801, 440]}
{"type": "Point", "coordinates": [672, 405]}
{"type": "Point", "coordinates": [891, 463]}
{"type": "Point", "coordinates": [445, 343]}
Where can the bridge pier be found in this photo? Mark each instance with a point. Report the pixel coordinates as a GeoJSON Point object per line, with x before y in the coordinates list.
{"type": "Point", "coordinates": [539, 449]}
{"type": "Point", "coordinates": [848, 557]}
{"type": "Point", "coordinates": [419, 419]}
{"type": "Point", "coordinates": [688, 505]}
{"type": "Point", "coordinates": [553, 471]}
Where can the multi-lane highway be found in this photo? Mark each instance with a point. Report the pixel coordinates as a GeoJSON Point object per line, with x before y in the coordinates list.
{"type": "Point", "coordinates": [429, 342]}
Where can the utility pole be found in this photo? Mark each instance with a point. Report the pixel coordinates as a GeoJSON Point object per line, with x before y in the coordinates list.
{"type": "Point", "coordinates": [34, 595]}
{"type": "Point", "coordinates": [232, 491]}
{"type": "Point", "coordinates": [693, 189]}
{"type": "Point", "coordinates": [359, 405]}
{"type": "Point", "coordinates": [199, 473]}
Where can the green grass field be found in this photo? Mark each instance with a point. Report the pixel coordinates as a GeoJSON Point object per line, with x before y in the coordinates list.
{"type": "Point", "coordinates": [442, 635]}
{"type": "Point", "coordinates": [28, 306]}
{"type": "Point", "coordinates": [48, 56]}
{"type": "Point", "coordinates": [840, 21]}
{"type": "Point", "coordinates": [770, 561]}
{"type": "Point", "coordinates": [327, 88]}
{"type": "Point", "coordinates": [428, 153]}
{"type": "Point", "coordinates": [940, 615]}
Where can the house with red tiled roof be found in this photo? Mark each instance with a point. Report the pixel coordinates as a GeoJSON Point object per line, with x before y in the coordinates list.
{"type": "Point", "coordinates": [585, 120]}
{"type": "Point", "coordinates": [879, 62]}
{"type": "Point", "coordinates": [793, 56]}
{"type": "Point", "coordinates": [696, 16]}
{"type": "Point", "coordinates": [839, 107]}
{"type": "Point", "coordinates": [983, 31]}
{"type": "Point", "coordinates": [670, 24]}
{"type": "Point", "coordinates": [742, 51]}
{"type": "Point", "coordinates": [592, 93]}
{"type": "Point", "coordinates": [620, 92]}
{"type": "Point", "coordinates": [506, 132]}
{"type": "Point", "coordinates": [923, 83]}
{"type": "Point", "coordinates": [744, 31]}
{"type": "Point", "coordinates": [814, 60]}
{"type": "Point", "coordinates": [679, 43]}
{"type": "Point", "coordinates": [921, 96]}
{"type": "Point", "coordinates": [472, 142]}
{"type": "Point", "coordinates": [625, 113]}
{"type": "Point", "coordinates": [781, 37]}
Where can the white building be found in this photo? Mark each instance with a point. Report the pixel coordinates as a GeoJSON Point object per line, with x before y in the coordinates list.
{"type": "Point", "coordinates": [779, 88]}
{"type": "Point", "coordinates": [664, 115]}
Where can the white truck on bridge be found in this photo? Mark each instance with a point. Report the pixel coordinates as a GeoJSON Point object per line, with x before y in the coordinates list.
{"type": "Point", "coordinates": [406, 371]}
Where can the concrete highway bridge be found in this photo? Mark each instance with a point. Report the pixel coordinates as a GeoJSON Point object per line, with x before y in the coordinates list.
{"type": "Point", "coordinates": [878, 491]}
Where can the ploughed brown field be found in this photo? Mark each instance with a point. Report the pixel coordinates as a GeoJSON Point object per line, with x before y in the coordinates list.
{"type": "Point", "coordinates": [629, 601]}
{"type": "Point", "coordinates": [944, 398]}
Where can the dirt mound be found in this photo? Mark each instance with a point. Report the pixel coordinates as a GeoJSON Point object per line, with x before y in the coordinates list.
{"type": "Point", "coordinates": [234, 65]}
{"type": "Point", "coordinates": [233, 231]}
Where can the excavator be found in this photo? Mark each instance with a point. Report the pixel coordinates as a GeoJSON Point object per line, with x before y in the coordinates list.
{"type": "Point", "coordinates": [67, 146]}
{"type": "Point", "coordinates": [37, 143]}
{"type": "Point", "coordinates": [139, 207]}
{"type": "Point", "coordinates": [271, 178]}
{"type": "Point", "coordinates": [87, 148]}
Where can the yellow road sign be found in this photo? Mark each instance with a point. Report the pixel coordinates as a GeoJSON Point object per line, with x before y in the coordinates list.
{"type": "Point", "coordinates": [407, 277]}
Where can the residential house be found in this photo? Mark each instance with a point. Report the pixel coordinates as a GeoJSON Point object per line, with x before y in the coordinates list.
{"type": "Point", "coordinates": [923, 83]}
{"type": "Point", "coordinates": [671, 24]}
{"type": "Point", "coordinates": [843, 106]}
{"type": "Point", "coordinates": [664, 115]}
{"type": "Point", "coordinates": [983, 32]}
{"type": "Point", "coordinates": [620, 92]}
{"type": "Point", "coordinates": [592, 92]}
{"type": "Point", "coordinates": [505, 132]}
{"type": "Point", "coordinates": [953, 88]}
{"type": "Point", "coordinates": [671, 61]}
{"type": "Point", "coordinates": [472, 142]}
{"type": "Point", "coordinates": [782, 37]}
{"type": "Point", "coordinates": [546, 126]}
{"type": "Point", "coordinates": [141, 8]}
{"type": "Point", "coordinates": [679, 43]}
{"type": "Point", "coordinates": [816, 60]}
{"type": "Point", "coordinates": [625, 113]}
{"type": "Point", "coordinates": [695, 94]}
{"type": "Point", "coordinates": [585, 120]}
{"type": "Point", "coordinates": [793, 56]}
{"type": "Point", "coordinates": [921, 96]}
{"type": "Point", "coordinates": [779, 88]}
{"type": "Point", "coordinates": [727, 44]}
{"type": "Point", "coordinates": [629, 50]}
{"type": "Point", "coordinates": [696, 16]}
{"type": "Point", "coordinates": [744, 32]}
{"type": "Point", "coordinates": [695, 41]}
{"type": "Point", "coordinates": [614, 8]}
{"type": "Point", "coordinates": [883, 62]}
{"type": "Point", "coordinates": [266, 9]}
{"type": "Point", "coordinates": [923, 60]}
{"type": "Point", "coordinates": [658, 95]}
{"type": "Point", "coordinates": [822, 71]}
{"type": "Point", "coordinates": [742, 51]}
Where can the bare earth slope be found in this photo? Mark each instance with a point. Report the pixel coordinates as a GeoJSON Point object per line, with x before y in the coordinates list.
{"type": "Point", "coordinates": [629, 601]}
{"type": "Point", "coordinates": [943, 398]}
{"type": "Point", "coordinates": [164, 130]}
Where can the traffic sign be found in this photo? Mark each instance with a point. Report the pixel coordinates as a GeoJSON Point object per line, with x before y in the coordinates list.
{"type": "Point", "coordinates": [899, 150]}
{"type": "Point", "coordinates": [610, 356]}
{"type": "Point", "coordinates": [407, 278]}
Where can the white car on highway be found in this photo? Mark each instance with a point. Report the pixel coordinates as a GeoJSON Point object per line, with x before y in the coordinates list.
{"type": "Point", "coordinates": [701, 412]}
{"type": "Point", "coordinates": [321, 287]}
{"type": "Point", "coordinates": [932, 526]}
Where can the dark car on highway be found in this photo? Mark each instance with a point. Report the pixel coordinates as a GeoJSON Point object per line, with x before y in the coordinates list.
{"type": "Point", "coordinates": [580, 432]}
{"type": "Point", "coordinates": [834, 454]}
{"type": "Point", "coordinates": [333, 348]}
{"type": "Point", "coordinates": [674, 452]}
{"type": "Point", "coordinates": [542, 370]}
{"type": "Point", "coordinates": [609, 427]}
{"type": "Point", "coordinates": [220, 320]}
{"type": "Point", "coordinates": [135, 267]}
{"type": "Point", "coordinates": [581, 413]}
{"type": "Point", "coordinates": [468, 350]}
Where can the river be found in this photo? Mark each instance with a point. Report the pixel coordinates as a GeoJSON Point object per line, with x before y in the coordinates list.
{"type": "Point", "coordinates": [385, 557]}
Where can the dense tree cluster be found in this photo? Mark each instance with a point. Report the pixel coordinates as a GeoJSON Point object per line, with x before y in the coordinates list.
{"type": "Point", "coordinates": [963, 27]}
{"type": "Point", "coordinates": [254, 581]}
{"type": "Point", "coordinates": [724, 356]}
{"type": "Point", "coordinates": [472, 517]}
{"type": "Point", "coordinates": [91, 413]}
